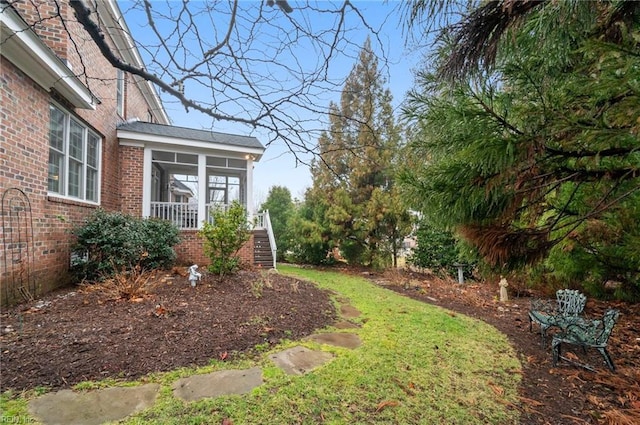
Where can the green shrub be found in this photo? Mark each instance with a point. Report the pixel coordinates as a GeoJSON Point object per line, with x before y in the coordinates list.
{"type": "Point", "coordinates": [308, 243]}
{"type": "Point", "coordinates": [438, 250]}
{"type": "Point", "coordinates": [223, 237]}
{"type": "Point", "coordinates": [109, 242]}
{"type": "Point", "coordinates": [159, 238]}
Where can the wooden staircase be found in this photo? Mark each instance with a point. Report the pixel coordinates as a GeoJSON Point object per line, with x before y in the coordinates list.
{"type": "Point", "coordinates": [262, 254]}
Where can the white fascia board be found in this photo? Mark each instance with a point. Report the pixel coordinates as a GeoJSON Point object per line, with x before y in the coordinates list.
{"type": "Point", "coordinates": [24, 49]}
{"type": "Point", "coordinates": [130, 138]}
{"type": "Point", "coordinates": [112, 17]}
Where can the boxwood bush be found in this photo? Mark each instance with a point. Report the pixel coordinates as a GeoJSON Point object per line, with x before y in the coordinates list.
{"type": "Point", "coordinates": [110, 242]}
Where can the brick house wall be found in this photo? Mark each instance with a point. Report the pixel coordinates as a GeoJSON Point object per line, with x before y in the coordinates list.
{"type": "Point", "coordinates": [190, 250]}
{"type": "Point", "coordinates": [46, 23]}
{"type": "Point", "coordinates": [131, 162]}
{"type": "Point", "coordinates": [24, 145]}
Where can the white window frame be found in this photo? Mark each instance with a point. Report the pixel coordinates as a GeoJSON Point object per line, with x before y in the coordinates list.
{"type": "Point", "coordinates": [83, 162]}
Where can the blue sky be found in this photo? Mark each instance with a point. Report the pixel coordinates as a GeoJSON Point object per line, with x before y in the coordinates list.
{"type": "Point", "coordinates": [278, 166]}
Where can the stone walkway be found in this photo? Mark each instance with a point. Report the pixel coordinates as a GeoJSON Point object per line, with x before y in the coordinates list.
{"type": "Point", "coordinates": [96, 407]}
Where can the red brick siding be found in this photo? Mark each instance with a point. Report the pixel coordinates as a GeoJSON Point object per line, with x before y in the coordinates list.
{"type": "Point", "coordinates": [24, 109]}
{"type": "Point", "coordinates": [131, 161]}
{"type": "Point", "coordinates": [24, 144]}
{"type": "Point", "coordinates": [46, 19]}
{"type": "Point", "coordinates": [191, 250]}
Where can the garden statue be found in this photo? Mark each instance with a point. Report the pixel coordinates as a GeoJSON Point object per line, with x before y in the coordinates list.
{"type": "Point", "coordinates": [503, 289]}
{"type": "Point", "coordinates": [194, 275]}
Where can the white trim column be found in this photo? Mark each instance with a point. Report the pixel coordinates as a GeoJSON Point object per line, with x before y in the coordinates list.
{"type": "Point", "coordinates": [146, 183]}
{"type": "Point", "coordinates": [249, 188]}
{"type": "Point", "coordinates": [202, 190]}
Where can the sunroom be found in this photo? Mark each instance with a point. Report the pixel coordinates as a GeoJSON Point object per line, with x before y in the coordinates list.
{"type": "Point", "coordinates": [187, 172]}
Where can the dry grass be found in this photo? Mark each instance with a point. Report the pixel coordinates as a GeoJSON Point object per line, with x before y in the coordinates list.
{"type": "Point", "coordinates": [128, 284]}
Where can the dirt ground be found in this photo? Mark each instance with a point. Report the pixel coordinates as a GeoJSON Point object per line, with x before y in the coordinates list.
{"type": "Point", "coordinates": [83, 333]}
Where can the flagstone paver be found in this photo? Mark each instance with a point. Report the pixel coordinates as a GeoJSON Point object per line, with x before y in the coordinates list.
{"type": "Point", "coordinates": [67, 407]}
{"type": "Point", "coordinates": [349, 312]}
{"type": "Point", "coordinates": [338, 339]}
{"type": "Point", "coordinates": [343, 324]}
{"type": "Point", "coordinates": [219, 383]}
{"type": "Point", "coordinates": [300, 360]}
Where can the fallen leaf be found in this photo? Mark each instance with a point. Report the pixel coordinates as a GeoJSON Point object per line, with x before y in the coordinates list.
{"type": "Point", "coordinates": [496, 389]}
{"type": "Point", "coordinates": [531, 402]}
{"type": "Point", "coordinates": [387, 403]}
{"type": "Point", "coordinates": [571, 356]}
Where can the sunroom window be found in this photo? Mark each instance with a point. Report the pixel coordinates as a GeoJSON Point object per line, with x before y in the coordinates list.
{"type": "Point", "coordinates": [174, 191]}
{"type": "Point", "coordinates": [74, 157]}
{"type": "Point", "coordinates": [178, 194]}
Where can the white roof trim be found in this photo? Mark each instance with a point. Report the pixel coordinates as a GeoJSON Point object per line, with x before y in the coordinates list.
{"type": "Point", "coordinates": [23, 48]}
{"type": "Point", "coordinates": [109, 12]}
{"type": "Point", "coordinates": [132, 138]}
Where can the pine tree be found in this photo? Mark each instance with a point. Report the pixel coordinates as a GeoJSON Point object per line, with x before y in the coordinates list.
{"type": "Point", "coordinates": [356, 168]}
{"type": "Point", "coordinates": [537, 161]}
{"type": "Point", "coordinates": [281, 209]}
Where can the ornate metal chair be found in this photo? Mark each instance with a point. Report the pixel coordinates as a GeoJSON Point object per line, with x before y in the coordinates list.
{"type": "Point", "coordinates": [587, 334]}
{"type": "Point", "coordinates": [568, 309]}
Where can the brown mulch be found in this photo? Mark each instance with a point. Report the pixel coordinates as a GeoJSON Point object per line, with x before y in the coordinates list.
{"type": "Point", "coordinates": [84, 333]}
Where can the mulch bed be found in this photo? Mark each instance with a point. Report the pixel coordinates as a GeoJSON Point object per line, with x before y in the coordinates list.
{"type": "Point", "coordinates": [84, 333]}
{"type": "Point", "coordinates": [88, 333]}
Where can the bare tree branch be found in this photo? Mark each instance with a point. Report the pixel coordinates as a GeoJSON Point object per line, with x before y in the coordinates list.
{"type": "Point", "coordinates": [266, 65]}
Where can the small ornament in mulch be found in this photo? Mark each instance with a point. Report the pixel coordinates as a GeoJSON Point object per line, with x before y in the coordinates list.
{"type": "Point", "coordinates": [160, 311]}
{"type": "Point", "coordinates": [504, 296]}
{"type": "Point", "coordinates": [194, 275]}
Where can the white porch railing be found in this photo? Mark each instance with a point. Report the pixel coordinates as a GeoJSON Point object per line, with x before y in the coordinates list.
{"type": "Point", "coordinates": [209, 207]}
{"type": "Point", "coordinates": [183, 215]}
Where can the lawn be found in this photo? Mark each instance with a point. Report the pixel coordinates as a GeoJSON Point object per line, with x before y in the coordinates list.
{"type": "Point", "coordinates": [418, 364]}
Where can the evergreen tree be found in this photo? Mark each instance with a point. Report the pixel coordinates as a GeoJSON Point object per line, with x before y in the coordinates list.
{"type": "Point", "coordinates": [311, 241]}
{"type": "Point", "coordinates": [538, 160]}
{"type": "Point", "coordinates": [355, 172]}
{"type": "Point", "coordinates": [281, 209]}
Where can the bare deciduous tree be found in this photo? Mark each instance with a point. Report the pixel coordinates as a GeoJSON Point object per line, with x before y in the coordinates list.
{"type": "Point", "coordinates": [268, 65]}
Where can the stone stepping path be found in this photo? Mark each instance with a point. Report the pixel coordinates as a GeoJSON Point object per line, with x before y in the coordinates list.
{"type": "Point", "coordinates": [300, 360]}
{"type": "Point", "coordinates": [219, 383]}
{"type": "Point", "coordinates": [67, 407]}
{"type": "Point", "coordinates": [338, 339]}
{"type": "Point", "coordinates": [349, 312]}
{"type": "Point", "coordinates": [343, 324]}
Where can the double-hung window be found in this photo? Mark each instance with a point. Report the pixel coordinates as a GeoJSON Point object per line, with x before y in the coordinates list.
{"type": "Point", "coordinates": [74, 157]}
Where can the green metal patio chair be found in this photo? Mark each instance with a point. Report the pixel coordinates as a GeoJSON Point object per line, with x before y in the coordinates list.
{"type": "Point", "coordinates": [568, 309]}
{"type": "Point", "coordinates": [587, 334]}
